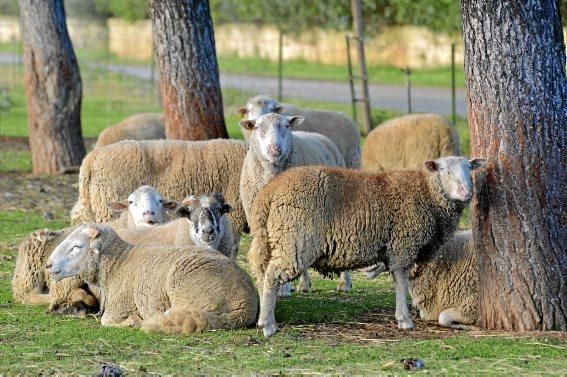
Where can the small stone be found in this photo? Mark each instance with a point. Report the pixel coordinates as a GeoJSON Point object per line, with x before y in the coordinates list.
{"type": "Point", "coordinates": [42, 190]}
{"type": "Point", "coordinates": [109, 370]}
{"type": "Point", "coordinates": [412, 364]}
{"type": "Point", "coordinates": [48, 216]}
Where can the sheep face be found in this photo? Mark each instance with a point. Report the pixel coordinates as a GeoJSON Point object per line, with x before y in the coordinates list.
{"type": "Point", "coordinates": [455, 175]}
{"type": "Point", "coordinates": [67, 258]}
{"type": "Point", "coordinates": [205, 215]}
{"type": "Point", "coordinates": [272, 136]}
{"type": "Point", "coordinates": [146, 206]}
{"type": "Point", "coordinates": [258, 106]}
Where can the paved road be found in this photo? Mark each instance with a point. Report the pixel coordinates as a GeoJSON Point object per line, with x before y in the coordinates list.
{"type": "Point", "coordinates": [424, 99]}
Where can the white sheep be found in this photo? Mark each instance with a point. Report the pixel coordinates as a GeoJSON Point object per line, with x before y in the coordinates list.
{"type": "Point", "coordinates": [446, 289]}
{"type": "Point", "coordinates": [337, 127]}
{"type": "Point", "coordinates": [145, 126]}
{"type": "Point", "coordinates": [145, 206]}
{"type": "Point", "coordinates": [171, 289]}
{"type": "Point", "coordinates": [335, 219]}
{"type": "Point", "coordinates": [274, 148]}
{"type": "Point", "coordinates": [176, 168]}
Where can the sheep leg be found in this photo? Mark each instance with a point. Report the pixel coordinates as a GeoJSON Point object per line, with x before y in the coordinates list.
{"type": "Point", "coordinates": [374, 270]}
{"type": "Point", "coordinates": [267, 318]}
{"type": "Point", "coordinates": [455, 320]}
{"type": "Point", "coordinates": [345, 282]}
{"type": "Point", "coordinates": [402, 312]}
{"type": "Point", "coordinates": [304, 282]}
{"type": "Point", "coordinates": [284, 290]}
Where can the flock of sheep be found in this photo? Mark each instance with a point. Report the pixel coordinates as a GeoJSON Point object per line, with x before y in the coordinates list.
{"type": "Point", "coordinates": [157, 224]}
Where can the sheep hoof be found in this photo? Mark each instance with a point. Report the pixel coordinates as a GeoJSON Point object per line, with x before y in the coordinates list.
{"type": "Point", "coordinates": [284, 290]}
{"type": "Point", "coordinates": [344, 286]}
{"type": "Point", "coordinates": [270, 329]}
{"type": "Point", "coordinates": [406, 325]}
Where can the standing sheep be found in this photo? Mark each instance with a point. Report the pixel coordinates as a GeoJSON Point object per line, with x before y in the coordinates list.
{"type": "Point", "coordinates": [275, 148]}
{"type": "Point", "coordinates": [337, 219]}
{"type": "Point", "coordinates": [145, 126]}
{"type": "Point", "coordinates": [407, 141]}
{"type": "Point", "coordinates": [31, 285]}
{"type": "Point", "coordinates": [446, 289]}
{"type": "Point", "coordinates": [175, 168]}
{"type": "Point", "coordinates": [170, 289]}
{"type": "Point", "coordinates": [338, 128]}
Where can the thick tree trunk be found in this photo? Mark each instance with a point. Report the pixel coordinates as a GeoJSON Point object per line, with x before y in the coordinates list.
{"type": "Point", "coordinates": [188, 69]}
{"type": "Point", "coordinates": [53, 86]}
{"type": "Point", "coordinates": [517, 90]}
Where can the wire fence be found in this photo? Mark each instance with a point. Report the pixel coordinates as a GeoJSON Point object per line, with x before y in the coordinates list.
{"type": "Point", "coordinates": [118, 68]}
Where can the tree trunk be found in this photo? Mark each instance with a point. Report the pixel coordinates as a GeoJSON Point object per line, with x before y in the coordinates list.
{"type": "Point", "coordinates": [517, 91]}
{"type": "Point", "coordinates": [188, 69]}
{"type": "Point", "coordinates": [53, 86]}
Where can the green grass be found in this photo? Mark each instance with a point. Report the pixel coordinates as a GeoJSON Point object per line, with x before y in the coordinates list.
{"type": "Point", "coordinates": [33, 342]}
{"type": "Point", "coordinates": [314, 71]}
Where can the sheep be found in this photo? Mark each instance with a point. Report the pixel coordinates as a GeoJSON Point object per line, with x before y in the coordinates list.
{"type": "Point", "coordinates": [144, 207]}
{"type": "Point", "coordinates": [335, 219]}
{"type": "Point", "coordinates": [185, 289]}
{"type": "Point", "coordinates": [274, 148]}
{"type": "Point", "coordinates": [176, 168]}
{"type": "Point", "coordinates": [337, 127]}
{"type": "Point", "coordinates": [446, 289]}
{"type": "Point", "coordinates": [407, 141]}
{"type": "Point", "coordinates": [146, 126]}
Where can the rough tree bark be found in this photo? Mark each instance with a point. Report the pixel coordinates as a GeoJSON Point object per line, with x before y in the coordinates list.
{"type": "Point", "coordinates": [188, 69]}
{"type": "Point", "coordinates": [53, 86]}
{"type": "Point", "coordinates": [517, 92]}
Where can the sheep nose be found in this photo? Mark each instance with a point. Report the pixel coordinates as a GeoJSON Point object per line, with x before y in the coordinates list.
{"type": "Point", "coordinates": [150, 213]}
{"type": "Point", "coordinates": [208, 230]}
{"type": "Point", "coordinates": [48, 264]}
{"type": "Point", "coordinates": [274, 150]}
{"type": "Point", "coordinates": [462, 190]}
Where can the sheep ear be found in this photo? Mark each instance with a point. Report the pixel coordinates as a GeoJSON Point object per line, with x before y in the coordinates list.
{"type": "Point", "coordinates": [183, 211]}
{"type": "Point", "coordinates": [242, 111]}
{"type": "Point", "coordinates": [226, 208]}
{"type": "Point", "coordinates": [118, 206]}
{"type": "Point", "coordinates": [295, 121]}
{"type": "Point", "coordinates": [92, 232]}
{"type": "Point", "coordinates": [248, 124]}
{"type": "Point", "coordinates": [477, 163]}
{"type": "Point", "coordinates": [278, 108]}
{"type": "Point", "coordinates": [431, 166]}
{"type": "Point", "coordinates": [171, 205]}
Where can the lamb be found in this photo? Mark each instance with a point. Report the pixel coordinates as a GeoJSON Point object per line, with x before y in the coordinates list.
{"type": "Point", "coordinates": [407, 141]}
{"type": "Point", "coordinates": [337, 219]}
{"type": "Point", "coordinates": [275, 148]}
{"type": "Point", "coordinates": [145, 206]}
{"type": "Point", "coordinates": [446, 289]}
{"type": "Point", "coordinates": [146, 126]}
{"type": "Point", "coordinates": [337, 127]}
{"type": "Point", "coordinates": [185, 289]}
{"type": "Point", "coordinates": [175, 168]}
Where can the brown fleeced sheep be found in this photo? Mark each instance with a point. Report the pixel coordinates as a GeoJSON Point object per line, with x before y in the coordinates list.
{"type": "Point", "coordinates": [407, 141]}
{"type": "Point", "coordinates": [146, 126]}
{"type": "Point", "coordinates": [175, 168]}
{"type": "Point", "coordinates": [446, 289]}
{"type": "Point", "coordinates": [169, 289]}
{"type": "Point", "coordinates": [339, 219]}
{"type": "Point", "coordinates": [275, 147]}
{"type": "Point", "coordinates": [338, 128]}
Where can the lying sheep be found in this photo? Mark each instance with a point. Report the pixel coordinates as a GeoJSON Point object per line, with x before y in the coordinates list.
{"type": "Point", "coordinates": [446, 289]}
{"type": "Point", "coordinates": [30, 285]}
{"type": "Point", "coordinates": [146, 126]}
{"type": "Point", "coordinates": [170, 289]}
{"type": "Point", "coordinates": [338, 128]}
{"type": "Point", "coordinates": [275, 148]}
{"type": "Point", "coordinates": [175, 168]}
{"type": "Point", "coordinates": [407, 141]}
{"type": "Point", "coordinates": [337, 219]}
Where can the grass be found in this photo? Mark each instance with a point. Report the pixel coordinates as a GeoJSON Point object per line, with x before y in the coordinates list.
{"type": "Point", "coordinates": [300, 69]}
{"type": "Point", "coordinates": [32, 342]}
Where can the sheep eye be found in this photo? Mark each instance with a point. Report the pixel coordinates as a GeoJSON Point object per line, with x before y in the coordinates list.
{"type": "Point", "coordinates": [161, 200]}
{"type": "Point", "coordinates": [130, 201]}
